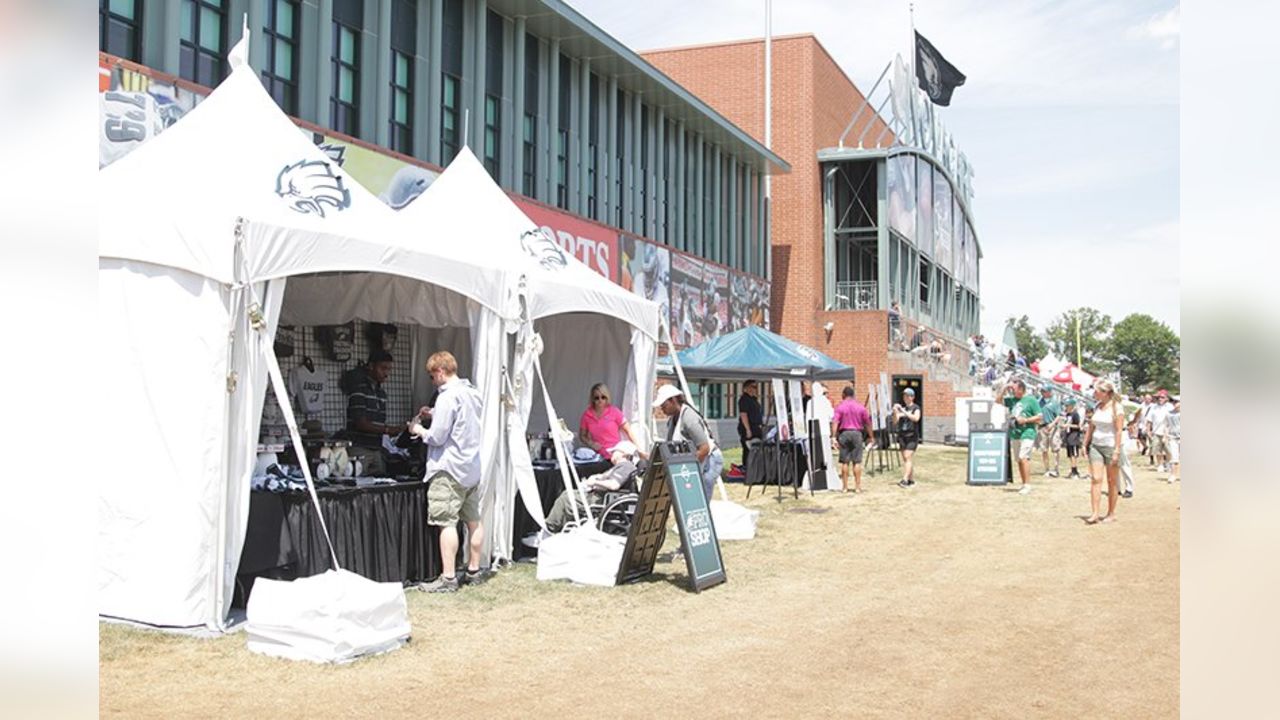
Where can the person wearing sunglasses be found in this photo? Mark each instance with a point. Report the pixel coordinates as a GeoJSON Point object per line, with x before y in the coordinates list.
{"type": "Point", "coordinates": [603, 425]}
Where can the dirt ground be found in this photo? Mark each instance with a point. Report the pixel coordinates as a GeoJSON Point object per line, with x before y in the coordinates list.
{"type": "Point", "coordinates": [943, 601]}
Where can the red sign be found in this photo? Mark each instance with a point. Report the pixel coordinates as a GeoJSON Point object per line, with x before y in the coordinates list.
{"type": "Point", "coordinates": [595, 245]}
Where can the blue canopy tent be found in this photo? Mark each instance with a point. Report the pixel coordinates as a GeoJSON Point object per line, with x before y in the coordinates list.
{"type": "Point", "coordinates": [754, 352]}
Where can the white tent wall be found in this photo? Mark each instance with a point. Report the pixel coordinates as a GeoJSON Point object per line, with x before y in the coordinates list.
{"type": "Point", "coordinates": [637, 403]}
{"type": "Point", "coordinates": [249, 368]}
{"type": "Point", "coordinates": [580, 350]}
{"type": "Point", "coordinates": [163, 359]}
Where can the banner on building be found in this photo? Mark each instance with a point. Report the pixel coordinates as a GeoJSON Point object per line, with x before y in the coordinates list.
{"type": "Point", "coordinates": [395, 182]}
{"type": "Point", "coordinates": [688, 303]}
{"type": "Point", "coordinates": [595, 245]}
{"type": "Point", "coordinates": [901, 170]}
{"type": "Point", "coordinates": [715, 288]}
{"type": "Point", "coordinates": [942, 222]}
{"type": "Point", "coordinates": [645, 269]}
{"type": "Point", "coordinates": [134, 107]}
{"type": "Point", "coordinates": [924, 207]}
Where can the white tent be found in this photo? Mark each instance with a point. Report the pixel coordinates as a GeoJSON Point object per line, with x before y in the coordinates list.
{"type": "Point", "coordinates": [589, 329]}
{"type": "Point", "coordinates": [189, 297]}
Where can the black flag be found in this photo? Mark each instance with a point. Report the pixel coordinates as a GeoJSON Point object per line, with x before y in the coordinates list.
{"type": "Point", "coordinates": [937, 77]}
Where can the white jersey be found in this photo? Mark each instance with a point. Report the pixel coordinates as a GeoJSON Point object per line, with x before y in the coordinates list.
{"type": "Point", "coordinates": [307, 389]}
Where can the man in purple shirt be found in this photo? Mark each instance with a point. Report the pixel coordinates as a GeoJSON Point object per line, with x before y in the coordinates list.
{"type": "Point", "coordinates": [848, 425]}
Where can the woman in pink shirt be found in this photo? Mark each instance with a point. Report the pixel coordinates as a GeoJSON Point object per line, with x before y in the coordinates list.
{"type": "Point", "coordinates": [603, 426]}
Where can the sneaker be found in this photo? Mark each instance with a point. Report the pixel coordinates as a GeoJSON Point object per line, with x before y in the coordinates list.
{"type": "Point", "coordinates": [441, 584]}
{"type": "Point", "coordinates": [1126, 494]}
{"type": "Point", "coordinates": [1052, 473]}
{"type": "Point", "coordinates": [906, 483]}
{"type": "Point", "coordinates": [1048, 473]}
{"type": "Point", "coordinates": [1026, 490]}
{"type": "Point", "coordinates": [474, 577]}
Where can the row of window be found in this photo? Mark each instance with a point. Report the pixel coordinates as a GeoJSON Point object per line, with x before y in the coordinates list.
{"type": "Point", "coordinates": [722, 184]}
{"type": "Point", "coordinates": [922, 287]}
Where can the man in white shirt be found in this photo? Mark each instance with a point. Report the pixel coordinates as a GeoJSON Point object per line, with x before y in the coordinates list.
{"type": "Point", "coordinates": [1156, 420]}
{"type": "Point", "coordinates": [453, 469]}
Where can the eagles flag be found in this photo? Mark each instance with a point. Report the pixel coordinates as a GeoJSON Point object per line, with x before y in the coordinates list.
{"type": "Point", "coordinates": [936, 77]}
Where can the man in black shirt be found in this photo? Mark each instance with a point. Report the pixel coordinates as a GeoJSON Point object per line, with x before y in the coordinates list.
{"type": "Point", "coordinates": [750, 418]}
{"type": "Point", "coordinates": [367, 413]}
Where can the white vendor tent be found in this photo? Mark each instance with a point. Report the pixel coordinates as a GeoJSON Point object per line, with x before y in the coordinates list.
{"type": "Point", "coordinates": [588, 329]}
{"type": "Point", "coordinates": [190, 292]}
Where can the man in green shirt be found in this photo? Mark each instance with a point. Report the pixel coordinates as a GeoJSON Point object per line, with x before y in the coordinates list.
{"type": "Point", "coordinates": [1024, 418]}
{"type": "Point", "coordinates": [1049, 436]}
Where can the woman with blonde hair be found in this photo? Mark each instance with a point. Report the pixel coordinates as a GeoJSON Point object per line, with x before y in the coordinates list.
{"type": "Point", "coordinates": [1105, 440]}
{"type": "Point", "coordinates": [603, 425]}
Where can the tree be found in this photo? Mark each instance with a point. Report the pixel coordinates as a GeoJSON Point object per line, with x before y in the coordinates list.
{"type": "Point", "coordinates": [1146, 353]}
{"type": "Point", "coordinates": [1030, 343]}
{"type": "Point", "coordinates": [1095, 339]}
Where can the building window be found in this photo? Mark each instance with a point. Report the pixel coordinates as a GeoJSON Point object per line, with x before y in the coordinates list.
{"type": "Point", "coordinates": [493, 94]}
{"type": "Point", "coordinates": [344, 102]}
{"type": "Point", "coordinates": [562, 135]}
{"type": "Point", "coordinates": [203, 45]}
{"type": "Point", "coordinates": [404, 45]}
{"type": "Point", "coordinates": [492, 128]}
{"type": "Point", "coordinates": [449, 119]}
{"type": "Point", "coordinates": [281, 74]}
{"type": "Point", "coordinates": [118, 28]}
{"type": "Point", "coordinates": [529, 168]}
{"type": "Point", "coordinates": [621, 143]}
{"type": "Point", "coordinates": [593, 143]}
{"type": "Point", "coordinates": [451, 87]}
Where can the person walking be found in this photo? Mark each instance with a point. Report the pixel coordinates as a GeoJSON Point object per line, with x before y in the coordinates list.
{"type": "Point", "coordinates": [1156, 424]}
{"type": "Point", "coordinates": [1048, 435]}
{"type": "Point", "coordinates": [907, 419]}
{"type": "Point", "coordinates": [850, 425]}
{"type": "Point", "coordinates": [1105, 440]}
{"type": "Point", "coordinates": [1024, 418]}
{"type": "Point", "coordinates": [1173, 441]}
{"type": "Point", "coordinates": [1072, 435]}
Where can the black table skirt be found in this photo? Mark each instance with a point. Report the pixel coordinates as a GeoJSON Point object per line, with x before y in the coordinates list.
{"type": "Point", "coordinates": [771, 463]}
{"type": "Point", "coordinates": [550, 485]}
{"type": "Point", "coordinates": [379, 532]}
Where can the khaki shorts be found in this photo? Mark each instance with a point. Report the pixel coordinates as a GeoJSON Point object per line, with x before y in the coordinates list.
{"type": "Point", "coordinates": [448, 502]}
{"type": "Point", "coordinates": [1101, 454]}
{"type": "Point", "coordinates": [1159, 444]}
{"type": "Point", "coordinates": [1171, 446]}
{"type": "Point", "coordinates": [1048, 439]}
{"type": "Point", "coordinates": [1022, 448]}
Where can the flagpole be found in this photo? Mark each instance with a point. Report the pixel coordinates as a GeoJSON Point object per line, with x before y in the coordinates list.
{"type": "Point", "coordinates": [911, 93]}
{"type": "Point", "coordinates": [768, 136]}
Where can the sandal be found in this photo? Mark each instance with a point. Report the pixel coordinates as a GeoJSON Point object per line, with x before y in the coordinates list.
{"type": "Point", "coordinates": [1092, 521]}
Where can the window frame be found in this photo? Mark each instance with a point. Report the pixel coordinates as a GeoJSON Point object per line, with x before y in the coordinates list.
{"type": "Point", "coordinates": [196, 48]}
{"type": "Point", "coordinates": [271, 31]}
{"type": "Point", "coordinates": [106, 15]}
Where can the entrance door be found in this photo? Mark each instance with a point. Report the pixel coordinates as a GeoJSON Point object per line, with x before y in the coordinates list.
{"type": "Point", "coordinates": [902, 382]}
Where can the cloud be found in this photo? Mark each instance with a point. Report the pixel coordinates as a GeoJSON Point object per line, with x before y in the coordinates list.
{"type": "Point", "coordinates": [1164, 27]}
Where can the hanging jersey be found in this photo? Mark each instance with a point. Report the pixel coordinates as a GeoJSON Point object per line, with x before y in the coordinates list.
{"type": "Point", "coordinates": [307, 388]}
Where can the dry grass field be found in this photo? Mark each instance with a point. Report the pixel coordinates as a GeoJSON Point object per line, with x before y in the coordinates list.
{"type": "Point", "coordinates": [939, 601]}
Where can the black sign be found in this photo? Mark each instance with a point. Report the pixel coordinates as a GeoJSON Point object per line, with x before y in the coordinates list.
{"type": "Point", "coordinates": [988, 457]}
{"type": "Point", "coordinates": [673, 479]}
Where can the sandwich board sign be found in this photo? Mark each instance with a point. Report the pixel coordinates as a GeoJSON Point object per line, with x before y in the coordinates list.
{"type": "Point", "coordinates": [673, 480]}
{"type": "Point", "coordinates": [988, 457]}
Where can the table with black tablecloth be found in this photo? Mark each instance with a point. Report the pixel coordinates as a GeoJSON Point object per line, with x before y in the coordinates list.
{"type": "Point", "coordinates": [550, 485]}
{"type": "Point", "coordinates": [378, 531]}
{"type": "Point", "coordinates": [777, 463]}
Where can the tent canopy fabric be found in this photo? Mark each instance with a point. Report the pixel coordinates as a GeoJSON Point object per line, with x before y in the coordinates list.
{"type": "Point", "coordinates": [754, 352]}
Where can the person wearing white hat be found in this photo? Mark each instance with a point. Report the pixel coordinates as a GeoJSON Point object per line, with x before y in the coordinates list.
{"type": "Point", "coordinates": [686, 423]}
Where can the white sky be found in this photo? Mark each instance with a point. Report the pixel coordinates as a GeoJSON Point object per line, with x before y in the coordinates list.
{"type": "Point", "coordinates": [1069, 117]}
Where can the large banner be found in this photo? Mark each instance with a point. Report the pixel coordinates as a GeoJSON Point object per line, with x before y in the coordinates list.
{"type": "Point", "coordinates": [942, 223]}
{"type": "Point", "coordinates": [902, 194]}
{"type": "Point", "coordinates": [924, 207]}
{"type": "Point", "coordinates": [593, 244]}
{"type": "Point", "coordinates": [395, 182]}
{"type": "Point", "coordinates": [134, 107]}
{"type": "Point", "coordinates": [748, 301]}
{"type": "Point", "coordinates": [688, 303]}
{"type": "Point", "coordinates": [962, 248]}
{"type": "Point", "coordinates": [715, 286]}
{"type": "Point", "coordinates": [645, 269]}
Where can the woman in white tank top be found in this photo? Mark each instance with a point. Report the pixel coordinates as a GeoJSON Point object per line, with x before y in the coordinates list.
{"type": "Point", "coordinates": [1105, 440]}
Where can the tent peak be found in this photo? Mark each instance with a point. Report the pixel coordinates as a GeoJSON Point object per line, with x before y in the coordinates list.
{"type": "Point", "coordinates": [239, 54]}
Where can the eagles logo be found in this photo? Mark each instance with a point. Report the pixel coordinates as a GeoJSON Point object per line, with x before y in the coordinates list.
{"type": "Point", "coordinates": [542, 248]}
{"type": "Point", "coordinates": [310, 185]}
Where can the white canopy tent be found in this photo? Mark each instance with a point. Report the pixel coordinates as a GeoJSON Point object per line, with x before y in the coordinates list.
{"type": "Point", "coordinates": [588, 329]}
{"type": "Point", "coordinates": [190, 295]}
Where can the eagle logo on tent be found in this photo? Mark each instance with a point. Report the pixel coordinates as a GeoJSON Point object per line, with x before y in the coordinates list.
{"type": "Point", "coordinates": [542, 248]}
{"type": "Point", "coordinates": [310, 185]}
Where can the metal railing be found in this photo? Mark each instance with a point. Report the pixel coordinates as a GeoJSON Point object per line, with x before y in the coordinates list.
{"type": "Point", "coordinates": [856, 295]}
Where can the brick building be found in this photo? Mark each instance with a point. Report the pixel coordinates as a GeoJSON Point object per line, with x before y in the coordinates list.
{"type": "Point", "coordinates": [855, 226]}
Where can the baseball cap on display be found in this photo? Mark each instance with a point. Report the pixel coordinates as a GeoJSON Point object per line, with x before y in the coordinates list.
{"type": "Point", "coordinates": [665, 393]}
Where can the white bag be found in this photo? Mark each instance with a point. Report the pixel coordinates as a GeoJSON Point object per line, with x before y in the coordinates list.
{"type": "Point", "coordinates": [336, 617]}
{"type": "Point", "coordinates": [583, 555]}
{"type": "Point", "coordinates": [733, 521]}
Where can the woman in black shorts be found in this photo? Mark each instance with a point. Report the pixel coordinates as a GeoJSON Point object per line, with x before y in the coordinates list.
{"type": "Point", "coordinates": [906, 418]}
